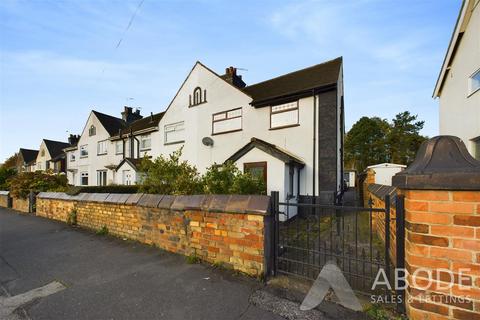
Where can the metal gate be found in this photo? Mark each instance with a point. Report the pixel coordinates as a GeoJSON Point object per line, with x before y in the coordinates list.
{"type": "Point", "coordinates": [360, 240]}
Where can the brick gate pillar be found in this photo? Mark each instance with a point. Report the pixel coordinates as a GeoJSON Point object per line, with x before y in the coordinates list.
{"type": "Point", "coordinates": [442, 236]}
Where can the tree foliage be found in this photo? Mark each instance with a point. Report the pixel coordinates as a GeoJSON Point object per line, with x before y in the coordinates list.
{"type": "Point", "coordinates": [228, 179]}
{"type": "Point", "coordinates": [170, 175]}
{"type": "Point", "coordinates": [5, 174]}
{"type": "Point", "coordinates": [11, 162]}
{"type": "Point", "coordinates": [24, 182]}
{"type": "Point", "coordinates": [374, 140]}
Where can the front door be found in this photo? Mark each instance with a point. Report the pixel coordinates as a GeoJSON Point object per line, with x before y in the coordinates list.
{"type": "Point", "coordinates": [127, 177]}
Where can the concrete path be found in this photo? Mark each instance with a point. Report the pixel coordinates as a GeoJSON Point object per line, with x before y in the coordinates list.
{"type": "Point", "coordinates": [107, 278]}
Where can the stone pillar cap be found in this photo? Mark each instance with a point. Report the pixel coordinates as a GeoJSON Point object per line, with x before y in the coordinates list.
{"type": "Point", "coordinates": [442, 163]}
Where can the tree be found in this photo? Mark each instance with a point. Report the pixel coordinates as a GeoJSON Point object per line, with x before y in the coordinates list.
{"type": "Point", "coordinates": [404, 138]}
{"type": "Point", "coordinates": [11, 162]}
{"type": "Point", "coordinates": [374, 140]}
{"type": "Point", "coordinates": [5, 174]}
{"type": "Point", "coordinates": [365, 143]}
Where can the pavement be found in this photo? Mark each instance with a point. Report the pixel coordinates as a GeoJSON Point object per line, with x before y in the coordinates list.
{"type": "Point", "coordinates": [49, 270]}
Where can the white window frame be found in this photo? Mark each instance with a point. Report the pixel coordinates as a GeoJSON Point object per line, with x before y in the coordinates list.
{"type": "Point", "coordinates": [172, 127]}
{"type": "Point", "coordinates": [102, 143]}
{"type": "Point", "coordinates": [285, 107]}
{"type": "Point", "coordinates": [84, 151]}
{"type": "Point", "coordinates": [83, 174]}
{"type": "Point", "coordinates": [101, 177]}
{"type": "Point", "coordinates": [119, 143]}
{"type": "Point", "coordinates": [225, 116]}
{"type": "Point", "coordinates": [143, 139]}
{"type": "Point", "coordinates": [72, 157]}
{"type": "Point", "coordinates": [471, 81]}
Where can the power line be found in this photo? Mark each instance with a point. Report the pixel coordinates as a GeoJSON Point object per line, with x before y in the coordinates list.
{"type": "Point", "coordinates": [129, 23]}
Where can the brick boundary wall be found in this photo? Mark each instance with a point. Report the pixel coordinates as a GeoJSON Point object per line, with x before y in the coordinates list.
{"type": "Point", "coordinates": [231, 230]}
{"type": "Point", "coordinates": [4, 195]}
{"type": "Point", "coordinates": [20, 204]}
{"type": "Point", "coordinates": [442, 224]}
{"type": "Point", "coordinates": [377, 193]}
{"type": "Point", "coordinates": [443, 233]}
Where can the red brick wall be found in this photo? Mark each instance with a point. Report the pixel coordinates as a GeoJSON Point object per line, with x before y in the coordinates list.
{"type": "Point", "coordinates": [233, 239]}
{"type": "Point", "coordinates": [443, 232]}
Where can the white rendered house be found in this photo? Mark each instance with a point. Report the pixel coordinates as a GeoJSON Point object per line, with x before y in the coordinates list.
{"type": "Point", "coordinates": [458, 84]}
{"type": "Point", "coordinates": [288, 129]}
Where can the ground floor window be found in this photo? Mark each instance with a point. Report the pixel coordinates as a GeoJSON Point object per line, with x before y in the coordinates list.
{"type": "Point", "coordinates": [101, 177]}
{"type": "Point", "coordinates": [84, 178]}
{"type": "Point", "coordinates": [258, 169]}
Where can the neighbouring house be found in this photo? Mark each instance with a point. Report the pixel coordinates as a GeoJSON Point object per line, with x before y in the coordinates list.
{"type": "Point", "coordinates": [49, 156]}
{"type": "Point", "coordinates": [288, 129]}
{"type": "Point", "coordinates": [385, 171]}
{"type": "Point", "coordinates": [109, 148]}
{"type": "Point", "coordinates": [458, 84]}
{"type": "Point", "coordinates": [26, 160]}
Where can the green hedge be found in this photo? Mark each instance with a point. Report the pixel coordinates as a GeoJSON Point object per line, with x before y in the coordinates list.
{"type": "Point", "coordinates": [103, 189]}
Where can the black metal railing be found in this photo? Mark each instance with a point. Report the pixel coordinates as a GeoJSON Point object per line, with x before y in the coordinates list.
{"type": "Point", "coordinates": [357, 239]}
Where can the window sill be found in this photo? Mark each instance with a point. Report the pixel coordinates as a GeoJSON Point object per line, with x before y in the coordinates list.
{"type": "Point", "coordinates": [83, 157]}
{"type": "Point", "coordinates": [141, 150]}
{"type": "Point", "coordinates": [285, 127]}
{"type": "Point", "coordinates": [225, 132]}
{"type": "Point", "coordinates": [102, 154]}
{"type": "Point", "coordinates": [194, 105]}
{"type": "Point", "coordinates": [176, 142]}
{"type": "Point", "coordinates": [473, 92]}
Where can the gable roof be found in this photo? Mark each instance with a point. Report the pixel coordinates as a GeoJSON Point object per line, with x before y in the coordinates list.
{"type": "Point", "coordinates": [110, 123]}
{"type": "Point", "coordinates": [134, 163]}
{"type": "Point", "coordinates": [146, 123]}
{"type": "Point", "coordinates": [317, 76]}
{"type": "Point", "coordinates": [269, 148]}
{"type": "Point", "coordinates": [28, 155]}
{"type": "Point", "coordinates": [55, 148]}
{"type": "Point", "coordinates": [460, 26]}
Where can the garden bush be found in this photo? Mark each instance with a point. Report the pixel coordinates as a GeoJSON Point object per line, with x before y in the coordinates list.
{"type": "Point", "coordinates": [25, 182]}
{"type": "Point", "coordinates": [5, 175]}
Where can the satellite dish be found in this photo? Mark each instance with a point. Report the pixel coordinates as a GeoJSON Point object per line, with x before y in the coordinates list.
{"type": "Point", "coordinates": [207, 141]}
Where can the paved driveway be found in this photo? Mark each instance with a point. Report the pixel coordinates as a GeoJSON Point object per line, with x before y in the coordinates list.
{"type": "Point", "coordinates": [107, 278]}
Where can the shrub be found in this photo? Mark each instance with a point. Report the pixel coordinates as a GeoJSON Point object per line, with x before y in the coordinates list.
{"type": "Point", "coordinates": [219, 179]}
{"type": "Point", "coordinates": [103, 189]}
{"type": "Point", "coordinates": [72, 218]}
{"type": "Point", "coordinates": [228, 179]}
{"type": "Point", "coordinates": [103, 231]}
{"type": "Point", "coordinates": [5, 174]}
{"type": "Point", "coordinates": [24, 182]}
{"type": "Point", "coordinates": [170, 175]}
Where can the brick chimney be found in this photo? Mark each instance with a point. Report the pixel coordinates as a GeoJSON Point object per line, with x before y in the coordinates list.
{"type": "Point", "coordinates": [129, 116]}
{"type": "Point", "coordinates": [232, 77]}
{"type": "Point", "coordinates": [73, 139]}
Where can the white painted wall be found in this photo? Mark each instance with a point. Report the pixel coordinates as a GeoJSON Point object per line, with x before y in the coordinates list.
{"type": "Point", "coordinates": [93, 162]}
{"type": "Point", "coordinates": [459, 111]}
{"type": "Point", "coordinates": [385, 171]}
{"type": "Point", "coordinates": [42, 158]}
{"type": "Point", "coordinates": [221, 96]}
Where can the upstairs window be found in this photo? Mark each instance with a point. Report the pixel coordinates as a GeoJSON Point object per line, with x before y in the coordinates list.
{"type": "Point", "coordinates": [72, 157]}
{"type": "Point", "coordinates": [227, 121]}
{"type": "Point", "coordinates": [84, 151]}
{"type": "Point", "coordinates": [175, 133]}
{"type": "Point", "coordinates": [102, 147]}
{"type": "Point", "coordinates": [119, 147]}
{"type": "Point", "coordinates": [474, 82]}
{"type": "Point", "coordinates": [284, 115]}
{"type": "Point", "coordinates": [92, 131]}
{"type": "Point", "coordinates": [198, 97]}
{"type": "Point", "coordinates": [145, 143]}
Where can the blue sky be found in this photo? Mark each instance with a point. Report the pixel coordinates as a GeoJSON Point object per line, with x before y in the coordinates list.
{"type": "Point", "coordinates": [59, 58]}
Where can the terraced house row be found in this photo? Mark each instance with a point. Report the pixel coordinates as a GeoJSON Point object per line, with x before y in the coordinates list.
{"type": "Point", "coordinates": [288, 129]}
